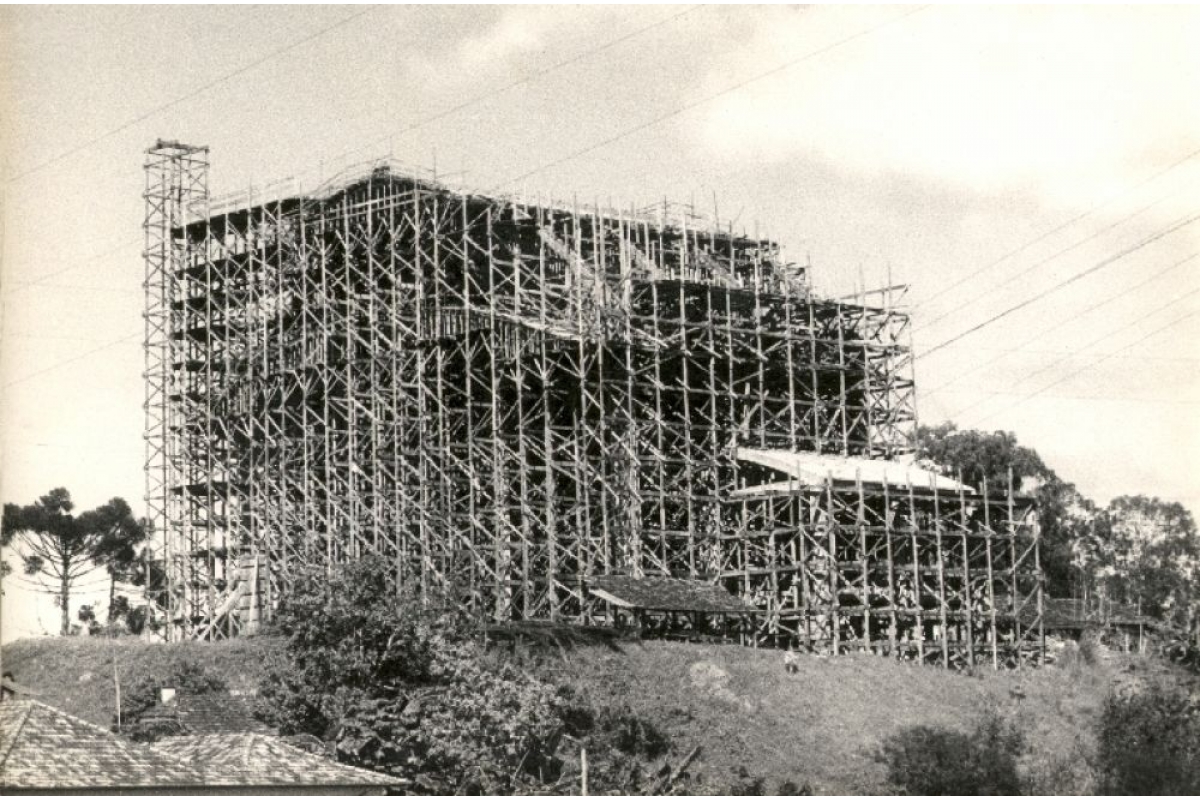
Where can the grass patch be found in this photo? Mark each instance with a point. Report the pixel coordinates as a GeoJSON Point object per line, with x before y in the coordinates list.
{"type": "Point", "coordinates": [759, 728]}
{"type": "Point", "coordinates": [76, 674]}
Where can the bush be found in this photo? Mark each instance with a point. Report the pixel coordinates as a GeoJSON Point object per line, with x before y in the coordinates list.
{"type": "Point", "coordinates": [140, 694]}
{"type": "Point", "coordinates": [1149, 743]}
{"type": "Point", "coordinates": [623, 730]}
{"type": "Point", "coordinates": [932, 761]}
{"type": "Point", "coordinates": [404, 689]}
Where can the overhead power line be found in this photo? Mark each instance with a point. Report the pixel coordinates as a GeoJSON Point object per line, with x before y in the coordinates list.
{"type": "Point", "coordinates": [1103, 337]}
{"type": "Point", "coordinates": [1073, 373]}
{"type": "Point", "coordinates": [73, 359]}
{"type": "Point", "coordinates": [1065, 320]}
{"type": "Point", "coordinates": [1097, 397]}
{"type": "Point", "coordinates": [16, 287]}
{"type": "Point", "coordinates": [1063, 284]}
{"type": "Point", "coordinates": [531, 77]}
{"type": "Point", "coordinates": [479, 98]}
{"type": "Point", "coordinates": [1111, 226]}
{"type": "Point", "coordinates": [195, 92]}
{"type": "Point", "coordinates": [1042, 237]}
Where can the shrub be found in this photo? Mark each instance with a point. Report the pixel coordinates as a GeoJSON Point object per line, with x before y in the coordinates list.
{"type": "Point", "coordinates": [140, 693]}
{"type": "Point", "coordinates": [793, 789]}
{"type": "Point", "coordinates": [623, 730]}
{"type": "Point", "coordinates": [403, 688]}
{"type": "Point", "coordinates": [1149, 743]}
{"type": "Point", "coordinates": [925, 760]}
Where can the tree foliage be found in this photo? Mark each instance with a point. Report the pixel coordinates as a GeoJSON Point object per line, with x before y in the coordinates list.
{"type": "Point", "coordinates": [979, 456]}
{"type": "Point", "coordinates": [1146, 551]}
{"type": "Point", "coordinates": [1137, 550]}
{"type": "Point", "coordinates": [140, 692]}
{"type": "Point", "coordinates": [59, 545]}
{"type": "Point", "coordinates": [988, 459]}
{"type": "Point", "coordinates": [406, 690]}
{"type": "Point", "coordinates": [934, 761]}
{"type": "Point", "coordinates": [1149, 743]}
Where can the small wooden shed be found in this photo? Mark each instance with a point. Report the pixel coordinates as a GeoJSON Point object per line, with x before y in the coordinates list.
{"type": "Point", "coordinates": [674, 607]}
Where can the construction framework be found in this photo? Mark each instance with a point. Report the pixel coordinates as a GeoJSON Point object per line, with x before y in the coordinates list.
{"type": "Point", "coordinates": [507, 398]}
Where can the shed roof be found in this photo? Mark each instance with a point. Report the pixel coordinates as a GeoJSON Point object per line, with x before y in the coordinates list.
{"type": "Point", "coordinates": [658, 593]}
{"type": "Point", "coordinates": [44, 748]}
{"type": "Point", "coordinates": [254, 759]}
{"type": "Point", "coordinates": [1063, 613]}
{"type": "Point", "coordinates": [813, 469]}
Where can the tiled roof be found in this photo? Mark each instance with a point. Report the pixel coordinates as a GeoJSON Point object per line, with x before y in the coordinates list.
{"type": "Point", "coordinates": [44, 748]}
{"type": "Point", "coordinates": [655, 593]}
{"type": "Point", "coordinates": [12, 687]}
{"type": "Point", "coordinates": [253, 759]}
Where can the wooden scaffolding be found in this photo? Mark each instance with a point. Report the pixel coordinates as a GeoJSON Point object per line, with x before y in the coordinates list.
{"type": "Point", "coordinates": [507, 398]}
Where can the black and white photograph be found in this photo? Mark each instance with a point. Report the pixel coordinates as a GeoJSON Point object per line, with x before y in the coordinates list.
{"type": "Point", "coordinates": [515, 400]}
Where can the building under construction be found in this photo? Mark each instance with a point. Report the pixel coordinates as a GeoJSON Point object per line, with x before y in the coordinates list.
{"type": "Point", "coordinates": [524, 404]}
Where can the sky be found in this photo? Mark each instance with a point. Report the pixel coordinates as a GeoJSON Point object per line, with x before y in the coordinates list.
{"type": "Point", "coordinates": [1033, 173]}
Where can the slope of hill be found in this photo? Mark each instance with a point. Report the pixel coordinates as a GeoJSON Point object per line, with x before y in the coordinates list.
{"type": "Point", "coordinates": [822, 726]}
{"type": "Point", "coordinates": [818, 728]}
{"type": "Point", "coordinates": [76, 674]}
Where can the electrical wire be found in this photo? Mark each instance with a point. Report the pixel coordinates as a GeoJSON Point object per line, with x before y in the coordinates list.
{"type": "Point", "coordinates": [1073, 373]}
{"type": "Point", "coordinates": [16, 287]}
{"type": "Point", "coordinates": [1063, 226]}
{"type": "Point", "coordinates": [73, 359]}
{"type": "Point", "coordinates": [1102, 338]}
{"type": "Point", "coordinates": [1066, 320]}
{"type": "Point", "coordinates": [1106, 229]}
{"type": "Point", "coordinates": [493, 93]}
{"type": "Point", "coordinates": [482, 97]}
{"type": "Point", "coordinates": [195, 92]}
{"type": "Point", "coordinates": [627, 132]}
{"type": "Point", "coordinates": [1103, 263]}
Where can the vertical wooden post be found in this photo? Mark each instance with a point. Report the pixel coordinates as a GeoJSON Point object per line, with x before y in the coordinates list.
{"type": "Point", "coordinates": [968, 598]}
{"type": "Point", "coordinates": [941, 572]}
{"type": "Point", "coordinates": [994, 634]}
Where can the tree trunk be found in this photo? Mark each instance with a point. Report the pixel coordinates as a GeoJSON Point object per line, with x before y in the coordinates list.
{"type": "Point", "coordinates": [64, 597]}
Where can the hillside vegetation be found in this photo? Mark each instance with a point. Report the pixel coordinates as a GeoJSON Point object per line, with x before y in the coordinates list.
{"type": "Point", "coordinates": [758, 728]}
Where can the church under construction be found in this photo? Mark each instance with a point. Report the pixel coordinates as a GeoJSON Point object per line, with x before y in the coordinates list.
{"type": "Point", "coordinates": [539, 410]}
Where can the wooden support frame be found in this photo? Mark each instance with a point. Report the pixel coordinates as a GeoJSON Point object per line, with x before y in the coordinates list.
{"type": "Point", "coordinates": [504, 398]}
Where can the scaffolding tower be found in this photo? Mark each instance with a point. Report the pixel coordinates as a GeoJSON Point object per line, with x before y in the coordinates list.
{"type": "Point", "coordinates": [507, 398]}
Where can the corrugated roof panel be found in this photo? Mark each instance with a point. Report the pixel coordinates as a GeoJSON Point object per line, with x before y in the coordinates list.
{"type": "Point", "coordinates": [814, 469]}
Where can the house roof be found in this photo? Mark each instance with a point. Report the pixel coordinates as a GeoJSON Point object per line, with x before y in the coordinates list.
{"type": "Point", "coordinates": [12, 687]}
{"type": "Point", "coordinates": [44, 748]}
{"type": "Point", "coordinates": [656, 593]}
{"type": "Point", "coordinates": [254, 759]}
{"type": "Point", "coordinates": [814, 469]}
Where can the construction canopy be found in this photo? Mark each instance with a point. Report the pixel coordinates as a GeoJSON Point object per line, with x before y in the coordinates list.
{"type": "Point", "coordinates": [814, 469]}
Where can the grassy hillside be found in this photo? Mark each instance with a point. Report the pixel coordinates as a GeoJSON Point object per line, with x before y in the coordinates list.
{"type": "Point", "coordinates": [820, 727]}
{"type": "Point", "coordinates": [76, 674]}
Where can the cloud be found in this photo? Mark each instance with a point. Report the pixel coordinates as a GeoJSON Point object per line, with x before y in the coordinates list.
{"type": "Point", "coordinates": [502, 41]}
{"type": "Point", "coordinates": [515, 33]}
{"type": "Point", "coordinates": [1067, 102]}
